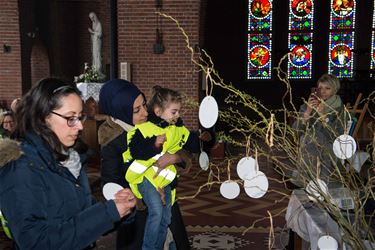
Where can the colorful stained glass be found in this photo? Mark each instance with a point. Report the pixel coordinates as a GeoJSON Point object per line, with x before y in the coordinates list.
{"type": "Point", "coordinates": [340, 54]}
{"type": "Point", "coordinates": [300, 38]}
{"type": "Point", "coordinates": [259, 39]}
{"type": "Point", "coordinates": [259, 61]}
{"type": "Point", "coordinates": [301, 8]}
{"type": "Point", "coordinates": [341, 38]}
{"type": "Point", "coordinates": [372, 54]}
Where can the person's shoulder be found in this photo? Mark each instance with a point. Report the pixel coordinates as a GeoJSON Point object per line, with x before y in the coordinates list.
{"type": "Point", "coordinates": [144, 129]}
{"type": "Point", "coordinates": [10, 150]}
{"type": "Point", "coordinates": [116, 145]}
{"type": "Point", "coordinates": [18, 162]}
{"type": "Point", "coordinates": [108, 131]}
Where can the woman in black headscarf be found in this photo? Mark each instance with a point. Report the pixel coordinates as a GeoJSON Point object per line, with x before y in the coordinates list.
{"type": "Point", "coordinates": [125, 106]}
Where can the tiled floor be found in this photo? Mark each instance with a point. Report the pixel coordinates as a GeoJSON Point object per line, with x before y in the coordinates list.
{"type": "Point", "coordinates": [214, 222]}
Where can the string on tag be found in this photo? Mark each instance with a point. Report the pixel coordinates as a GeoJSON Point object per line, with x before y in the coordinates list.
{"type": "Point", "coordinates": [256, 160]}
{"type": "Point", "coordinates": [228, 169]}
{"type": "Point", "coordinates": [200, 141]}
{"type": "Point", "coordinates": [346, 127]}
{"type": "Point", "coordinates": [208, 79]}
{"type": "Point", "coordinates": [270, 131]}
{"type": "Point", "coordinates": [248, 147]}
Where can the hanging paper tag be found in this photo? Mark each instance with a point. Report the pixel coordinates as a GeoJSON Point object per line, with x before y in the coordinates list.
{"type": "Point", "coordinates": [208, 112]}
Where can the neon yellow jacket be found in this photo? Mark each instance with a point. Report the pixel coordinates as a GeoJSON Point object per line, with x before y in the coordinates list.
{"type": "Point", "coordinates": [4, 224]}
{"type": "Point", "coordinates": [176, 137]}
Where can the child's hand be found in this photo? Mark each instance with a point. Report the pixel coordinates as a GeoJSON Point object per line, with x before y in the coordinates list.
{"type": "Point", "coordinates": [162, 195]}
{"type": "Point", "coordinates": [139, 205]}
{"type": "Point", "coordinates": [205, 136]}
{"type": "Point", "coordinates": [160, 139]}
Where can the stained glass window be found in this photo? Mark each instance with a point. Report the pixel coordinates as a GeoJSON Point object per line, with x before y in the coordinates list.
{"type": "Point", "coordinates": [259, 39]}
{"type": "Point", "coordinates": [300, 38]}
{"type": "Point", "coordinates": [372, 64]}
{"type": "Point", "coordinates": [341, 38]}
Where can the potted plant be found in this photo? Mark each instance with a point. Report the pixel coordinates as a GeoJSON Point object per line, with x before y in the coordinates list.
{"type": "Point", "coordinates": [218, 150]}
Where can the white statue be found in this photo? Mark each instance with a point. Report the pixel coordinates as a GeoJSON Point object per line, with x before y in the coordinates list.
{"type": "Point", "coordinates": [96, 42]}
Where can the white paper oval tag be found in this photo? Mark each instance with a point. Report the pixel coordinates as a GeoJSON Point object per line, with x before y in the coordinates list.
{"type": "Point", "coordinates": [327, 242]}
{"type": "Point", "coordinates": [344, 146]}
{"type": "Point", "coordinates": [314, 191]}
{"type": "Point", "coordinates": [110, 189]}
{"type": "Point", "coordinates": [204, 161]}
{"type": "Point", "coordinates": [229, 189]}
{"type": "Point", "coordinates": [245, 166]}
{"type": "Point", "coordinates": [208, 112]}
{"type": "Point", "coordinates": [256, 184]}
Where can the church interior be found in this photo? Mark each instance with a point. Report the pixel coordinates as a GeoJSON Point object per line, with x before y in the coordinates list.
{"type": "Point", "coordinates": [248, 71]}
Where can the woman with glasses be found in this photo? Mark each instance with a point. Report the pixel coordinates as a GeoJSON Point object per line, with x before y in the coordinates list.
{"type": "Point", "coordinates": [44, 191]}
{"type": "Point", "coordinates": [7, 124]}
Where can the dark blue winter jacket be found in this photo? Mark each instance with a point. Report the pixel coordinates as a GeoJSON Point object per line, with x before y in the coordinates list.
{"type": "Point", "coordinates": [45, 206]}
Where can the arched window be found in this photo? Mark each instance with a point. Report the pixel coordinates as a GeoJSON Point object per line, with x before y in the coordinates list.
{"type": "Point", "coordinates": [259, 39]}
{"type": "Point", "coordinates": [300, 38]}
{"type": "Point", "coordinates": [341, 38]}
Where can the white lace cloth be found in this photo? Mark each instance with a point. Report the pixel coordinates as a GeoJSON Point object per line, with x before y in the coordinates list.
{"type": "Point", "coordinates": [309, 220]}
{"type": "Point", "coordinates": [90, 89]}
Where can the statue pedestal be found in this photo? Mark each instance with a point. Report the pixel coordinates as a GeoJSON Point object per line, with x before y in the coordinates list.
{"type": "Point", "coordinates": [90, 89]}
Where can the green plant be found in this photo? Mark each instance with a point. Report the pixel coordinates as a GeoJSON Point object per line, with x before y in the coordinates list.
{"type": "Point", "coordinates": [221, 137]}
{"type": "Point", "coordinates": [90, 75]}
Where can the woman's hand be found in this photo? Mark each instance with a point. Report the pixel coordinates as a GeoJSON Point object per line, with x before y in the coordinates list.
{"type": "Point", "coordinates": [125, 201]}
{"type": "Point", "coordinates": [312, 103]}
{"type": "Point", "coordinates": [166, 160]}
{"type": "Point", "coordinates": [160, 139]}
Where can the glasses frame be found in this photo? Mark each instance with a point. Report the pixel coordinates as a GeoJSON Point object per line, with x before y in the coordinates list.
{"type": "Point", "coordinates": [73, 120]}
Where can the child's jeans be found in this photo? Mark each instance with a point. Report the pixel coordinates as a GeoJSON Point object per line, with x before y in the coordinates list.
{"type": "Point", "coordinates": [158, 218]}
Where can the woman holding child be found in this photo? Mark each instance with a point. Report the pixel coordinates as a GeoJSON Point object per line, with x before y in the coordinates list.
{"type": "Point", "coordinates": [125, 105]}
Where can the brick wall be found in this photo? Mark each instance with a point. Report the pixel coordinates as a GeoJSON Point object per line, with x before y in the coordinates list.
{"type": "Point", "coordinates": [62, 30]}
{"type": "Point", "coordinates": [10, 63]}
{"type": "Point", "coordinates": [173, 68]}
{"type": "Point", "coordinates": [70, 46]}
{"type": "Point", "coordinates": [39, 62]}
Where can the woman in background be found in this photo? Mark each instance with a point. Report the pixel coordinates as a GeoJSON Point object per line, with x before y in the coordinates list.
{"type": "Point", "coordinates": [7, 124]}
{"type": "Point", "coordinates": [320, 122]}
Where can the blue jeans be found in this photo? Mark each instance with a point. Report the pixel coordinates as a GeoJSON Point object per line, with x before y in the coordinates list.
{"type": "Point", "coordinates": [158, 218]}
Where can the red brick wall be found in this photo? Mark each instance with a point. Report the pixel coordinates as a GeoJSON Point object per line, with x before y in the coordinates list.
{"type": "Point", "coordinates": [173, 68]}
{"type": "Point", "coordinates": [10, 63]}
{"type": "Point", "coordinates": [63, 31]}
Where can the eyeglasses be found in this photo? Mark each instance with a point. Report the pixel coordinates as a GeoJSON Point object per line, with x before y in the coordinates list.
{"type": "Point", "coordinates": [72, 121]}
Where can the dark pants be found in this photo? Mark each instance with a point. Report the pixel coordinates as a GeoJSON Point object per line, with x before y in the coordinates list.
{"type": "Point", "coordinates": [130, 235]}
{"type": "Point", "coordinates": [5, 242]}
